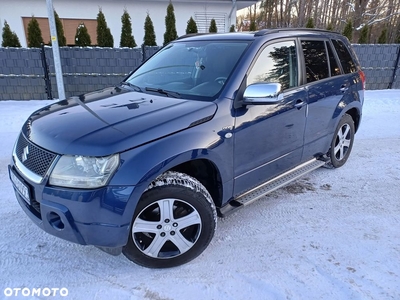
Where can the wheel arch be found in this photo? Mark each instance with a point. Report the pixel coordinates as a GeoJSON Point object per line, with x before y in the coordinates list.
{"type": "Point", "coordinates": [355, 115]}
{"type": "Point", "coordinates": [207, 173]}
{"type": "Point", "coordinates": [352, 108]}
{"type": "Point", "coordinates": [197, 163]}
{"type": "Point", "coordinates": [202, 169]}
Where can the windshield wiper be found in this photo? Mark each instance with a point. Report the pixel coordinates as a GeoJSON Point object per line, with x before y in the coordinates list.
{"type": "Point", "coordinates": [134, 87]}
{"type": "Point", "coordinates": [164, 92]}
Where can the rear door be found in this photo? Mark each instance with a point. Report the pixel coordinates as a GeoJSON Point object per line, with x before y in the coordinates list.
{"type": "Point", "coordinates": [327, 86]}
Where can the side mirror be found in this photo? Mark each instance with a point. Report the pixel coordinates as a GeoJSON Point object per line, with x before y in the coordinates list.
{"type": "Point", "coordinates": [262, 93]}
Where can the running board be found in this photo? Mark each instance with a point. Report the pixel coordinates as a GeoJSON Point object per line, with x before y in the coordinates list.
{"type": "Point", "coordinates": [270, 186]}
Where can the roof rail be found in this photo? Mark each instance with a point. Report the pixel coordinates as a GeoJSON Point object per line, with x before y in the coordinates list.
{"type": "Point", "coordinates": [191, 34]}
{"type": "Point", "coordinates": [272, 30]}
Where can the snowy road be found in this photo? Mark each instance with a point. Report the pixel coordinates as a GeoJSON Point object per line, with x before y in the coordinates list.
{"type": "Point", "coordinates": [334, 234]}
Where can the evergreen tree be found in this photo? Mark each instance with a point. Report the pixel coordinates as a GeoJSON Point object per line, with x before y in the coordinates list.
{"type": "Point", "coordinates": [310, 23]}
{"type": "Point", "coordinates": [149, 35]}
{"type": "Point", "coordinates": [191, 26]}
{"type": "Point", "coordinates": [348, 30]}
{"type": "Point", "coordinates": [383, 37]}
{"type": "Point", "coordinates": [34, 35]}
{"type": "Point", "coordinates": [330, 27]}
{"type": "Point", "coordinates": [127, 39]}
{"type": "Point", "coordinates": [253, 26]}
{"type": "Point", "coordinates": [62, 41]}
{"type": "Point", "coordinates": [82, 37]}
{"type": "Point", "coordinates": [170, 27]}
{"type": "Point", "coordinates": [104, 36]}
{"type": "Point", "coordinates": [363, 39]}
{"type": "Point", "coordinates": [10, 39]}
{"type": "Point", "coordinates": [232, 28]}
{"type": "Point", "coordinates": [213, 26]}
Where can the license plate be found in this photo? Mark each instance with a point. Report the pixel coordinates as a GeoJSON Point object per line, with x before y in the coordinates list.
{"type": "Point", "coordinates": [20, 186]}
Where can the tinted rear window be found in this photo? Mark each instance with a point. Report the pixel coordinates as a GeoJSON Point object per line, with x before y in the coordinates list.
{"type": "Point", "coordinates": [335, 69]}
{"type": "Point", "coordinates": [345, 58]}
{"type": "Point", "coordinates": [316, 60]}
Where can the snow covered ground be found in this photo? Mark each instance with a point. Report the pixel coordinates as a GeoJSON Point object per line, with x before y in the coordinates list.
{"type": "Point", "coordinates": [334, 234]}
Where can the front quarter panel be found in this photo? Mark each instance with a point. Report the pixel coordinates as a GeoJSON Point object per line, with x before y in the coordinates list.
{"type": "Point", "coordinates": [140, 166]}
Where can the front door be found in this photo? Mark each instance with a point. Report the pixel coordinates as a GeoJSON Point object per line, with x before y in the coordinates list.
{"type": "Point", "coordinates": [269, 138]}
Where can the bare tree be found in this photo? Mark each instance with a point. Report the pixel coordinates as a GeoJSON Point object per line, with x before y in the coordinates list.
{"type": "Point", "coordinates": [376, 14]}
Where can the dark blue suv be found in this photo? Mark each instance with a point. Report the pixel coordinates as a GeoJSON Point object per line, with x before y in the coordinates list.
{"type": "Point", "coordinates": [207, 125]}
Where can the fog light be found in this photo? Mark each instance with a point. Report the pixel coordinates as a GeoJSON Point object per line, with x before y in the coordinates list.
{"type": "Point", "coordinates": [55, 221]}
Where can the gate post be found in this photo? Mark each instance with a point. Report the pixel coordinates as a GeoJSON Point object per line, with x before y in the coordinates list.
{"type": "Point", "coordinates": [46, 78]}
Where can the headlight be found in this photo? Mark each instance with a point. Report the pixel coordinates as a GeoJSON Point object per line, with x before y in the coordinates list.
{"type": "Point", "coordinates": [84, 171]}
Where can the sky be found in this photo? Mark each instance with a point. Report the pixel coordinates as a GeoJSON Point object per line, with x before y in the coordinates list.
{"type": "Point", "coordinates": [333, 234]}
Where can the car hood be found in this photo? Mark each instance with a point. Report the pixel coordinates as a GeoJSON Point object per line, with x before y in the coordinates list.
{"type": "Point", "coordinates": [111, 121]}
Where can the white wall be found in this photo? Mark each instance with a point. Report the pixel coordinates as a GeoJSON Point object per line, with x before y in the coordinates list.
{"type": "Point", "coordinates": [13, 10]}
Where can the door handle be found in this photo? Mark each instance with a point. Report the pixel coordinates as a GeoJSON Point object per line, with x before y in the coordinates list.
{"type": "Point", "coordinates": [299, 104]}
{"type": "Point", "coordinates": [344, 88]}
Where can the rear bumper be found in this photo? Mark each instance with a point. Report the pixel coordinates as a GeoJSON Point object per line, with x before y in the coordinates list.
{"type": "Point", "coordinates": [98, 217]}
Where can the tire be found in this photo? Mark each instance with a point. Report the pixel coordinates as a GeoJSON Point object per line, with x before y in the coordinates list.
{"type": "Point", "coordinates": [342, 142]}
{"type": "Point", "coordinates": [173, 223]}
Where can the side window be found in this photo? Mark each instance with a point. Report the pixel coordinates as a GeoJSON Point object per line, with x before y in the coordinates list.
{"type": "Point", "coordinates": [335, 69]}
{"type": "Point", "coordinates": [276, 63]}
{"type": "Point", "coordinates": [345, 58]}
{"type": "Point", "coordinates": [316, 60]}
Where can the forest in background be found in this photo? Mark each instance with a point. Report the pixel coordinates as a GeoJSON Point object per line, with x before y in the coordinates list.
{"type": "Point", "coordinates": [371, 21]}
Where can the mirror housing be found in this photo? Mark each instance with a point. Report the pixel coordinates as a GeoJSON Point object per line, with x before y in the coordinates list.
{"type": "Point", "coordinates": [262, 93]}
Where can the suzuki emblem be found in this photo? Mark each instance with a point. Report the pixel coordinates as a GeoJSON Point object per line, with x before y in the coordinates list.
{"type": "Point", "coordinates": [25, 154]}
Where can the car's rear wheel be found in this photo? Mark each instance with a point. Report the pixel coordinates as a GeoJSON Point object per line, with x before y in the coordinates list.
{"type": "Point", "coordinates": [342, 142]}
{"type": "Point", "coordinates": [173, 223]}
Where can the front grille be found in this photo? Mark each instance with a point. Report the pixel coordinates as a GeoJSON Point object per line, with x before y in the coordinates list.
{"type": "Point", "coordinates": [32, 157]}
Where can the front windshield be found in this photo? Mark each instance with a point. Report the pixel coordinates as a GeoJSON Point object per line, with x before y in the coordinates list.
{"type": "Point", "coordinates": [192, 70]}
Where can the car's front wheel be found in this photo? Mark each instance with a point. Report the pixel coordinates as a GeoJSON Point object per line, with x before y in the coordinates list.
{"type": "Point", "coordinates": [173, 223]}
{"type": "Point", "coordinates": [342, 142]}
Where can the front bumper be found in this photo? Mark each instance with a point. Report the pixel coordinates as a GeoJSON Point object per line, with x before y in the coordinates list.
{"type": "Point", "coordinates": [99, 217]}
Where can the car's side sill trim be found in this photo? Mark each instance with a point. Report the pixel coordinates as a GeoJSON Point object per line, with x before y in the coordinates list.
{"type": "Point", "coordinates": [270, 186]}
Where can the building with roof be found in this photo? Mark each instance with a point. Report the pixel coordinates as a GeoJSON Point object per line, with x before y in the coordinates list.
{"type": "Point", "coordinates": [18, 13]}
